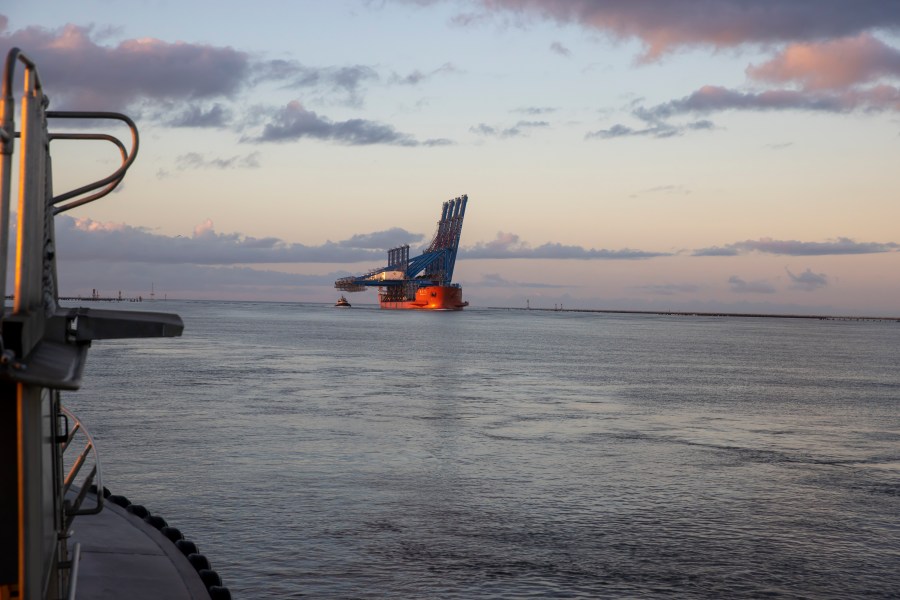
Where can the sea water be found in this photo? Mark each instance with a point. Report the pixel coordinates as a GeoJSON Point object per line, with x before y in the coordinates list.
{"type": "Point", "coordinates": [358, 453]}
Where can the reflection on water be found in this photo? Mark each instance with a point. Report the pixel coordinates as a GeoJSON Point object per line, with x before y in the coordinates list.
{"type": "Point", "coordinates": [366, 453]}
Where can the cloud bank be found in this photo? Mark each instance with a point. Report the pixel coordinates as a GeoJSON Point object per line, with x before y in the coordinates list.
{"type": "Point", "coordinates": [837, 246]}
{"type": "Point", "coordinates": [664, 26]}
{"type": "Point", "coordinates": [508, 245]}
{"type": "Point", "coordinates": [91, 76]}
{"type": "Point", "coordinates": [740, 286]}
{"type": "Point", "coordinates": [295, 122]}
{"type": "Point", "coordinates": [517, 130]}
{"type": "Point", "coordinates": [826, 56]}
{"type": "Point", "coordinates": [86, 239]}
{"type": "Point", "coordinates": [206, 263]}
{"type": "Point", "coordinates": [193, 85]}
{"type": "Point", "coordinates": [495, 280]}
{"type": "Point", "coordinates": [830, 65]}
{"type": "Point", "coordinates": [195, 160]}
{"type": "Point", "coordinates": [808, 281]}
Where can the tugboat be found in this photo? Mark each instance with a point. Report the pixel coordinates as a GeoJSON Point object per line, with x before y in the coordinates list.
{"type": "Point", "coordinates": [120, 550]}
{"type": "Point", "coordinates": [342, 303]}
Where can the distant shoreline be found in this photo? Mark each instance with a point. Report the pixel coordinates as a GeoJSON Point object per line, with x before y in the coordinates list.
{"type": "Point", "coordinates": [663, 313]}
{"type": "Point", "coordinates": [672, 313]}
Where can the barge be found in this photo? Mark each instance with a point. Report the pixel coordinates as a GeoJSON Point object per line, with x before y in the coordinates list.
{"type": "Point", "coordinates": [425, 281]}
{"type": "Point", "coordinates": [432, 297]}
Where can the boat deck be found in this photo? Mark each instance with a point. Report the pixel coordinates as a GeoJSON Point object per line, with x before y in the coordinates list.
{"type": "Point", "coordinates": [124, 557]}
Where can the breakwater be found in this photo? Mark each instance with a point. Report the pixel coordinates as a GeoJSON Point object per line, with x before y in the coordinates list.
{"type": "Point", "coordinates": [670, 313]}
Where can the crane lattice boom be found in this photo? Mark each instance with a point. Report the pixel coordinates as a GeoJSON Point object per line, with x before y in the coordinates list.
{"type": "Point", "coordinates": [434, 267]}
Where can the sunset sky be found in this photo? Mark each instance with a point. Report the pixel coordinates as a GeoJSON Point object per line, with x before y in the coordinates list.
{"type": "Point", "coordinates": [695, 155]}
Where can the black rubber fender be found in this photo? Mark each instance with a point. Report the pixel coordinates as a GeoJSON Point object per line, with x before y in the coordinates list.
{"type": "Point", "coordinates": [187, 547]}
{"type": "Point", "coordinates": [218, 592]}
{"type": "Point", "coordinates": [156, 521]}
{"type": "Point", "coordinates": [173, 533]}
{"type": "Point", "coordinates": [119, 500]}
{"type": "Point", "coordinates": [209, 577]}
{"type": "Point", "coordinates": [93, 490]}
{"type": "Point", "coordinates": [199, 562]}
{"type": "Point", "coordinates": [211, 580]}
{"type": "Point", "coordinates": [138, 510]}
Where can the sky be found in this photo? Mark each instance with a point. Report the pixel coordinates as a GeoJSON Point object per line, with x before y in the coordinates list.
{"type": "Point", "coordinates": [700, 155]}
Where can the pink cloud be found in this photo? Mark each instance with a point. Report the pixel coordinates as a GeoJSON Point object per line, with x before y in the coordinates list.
{"type": "Point", "coordinates": [205, 229]}
{"type": "Point", "coordinates": [508, 245]}
{"type": "Point", "coordinates": [830, 65]}
{"type": "Point", "coordinates": [710, 99]}
{"type": "Point", "coordinates": [84, 73]}
{"type": "Point", "coordinates": [504, 241]}
{"type": "Point", "coordinates": [90, 225]}
{"type": "Point", "coordinates": [664, 25]}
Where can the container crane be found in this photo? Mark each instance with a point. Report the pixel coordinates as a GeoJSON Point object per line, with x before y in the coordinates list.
{"type": "Point", "coordinates": [425, 281]}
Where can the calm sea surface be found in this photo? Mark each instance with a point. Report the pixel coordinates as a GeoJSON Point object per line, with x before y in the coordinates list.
{"type": "Point", "coordinates": [359, 453]}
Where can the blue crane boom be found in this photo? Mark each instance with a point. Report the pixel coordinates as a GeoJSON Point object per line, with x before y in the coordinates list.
{"type": "Point", "coordinates": [433, 267]}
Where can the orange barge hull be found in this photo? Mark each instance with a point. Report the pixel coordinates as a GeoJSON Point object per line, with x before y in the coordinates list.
{"type": "Point", "coordinates": [433, 297]}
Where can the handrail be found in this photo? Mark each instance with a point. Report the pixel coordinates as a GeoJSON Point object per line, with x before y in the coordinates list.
{"type": "Point", "coordinates": [11, 58]}
{"type": "Point", "coordinates": [92, 136]}
{"type": "Point", "coordinates": [7, 141]}
{"type": "Point", "coordinates": [70, 437]}
{"type": "Point", "coordinates": [74, 565]}
{"type": "Point", "coordinates": [111, 181]}
{"type": "Point", "coordinates": [73, 508]}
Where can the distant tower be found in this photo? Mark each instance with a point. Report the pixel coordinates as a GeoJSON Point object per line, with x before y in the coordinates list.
{"type": "Point", "coordinates": [152, 295]}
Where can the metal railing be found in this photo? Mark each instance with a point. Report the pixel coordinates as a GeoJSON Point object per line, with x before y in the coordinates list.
{"type": "Point", "coordinates": [43, 348]}
{"type": "Point", "coordinates": [31, 92]}
{"type": "Point", "coordinates": [108, 183]}
{"type": "Point", "coordinates": [88, 455]}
